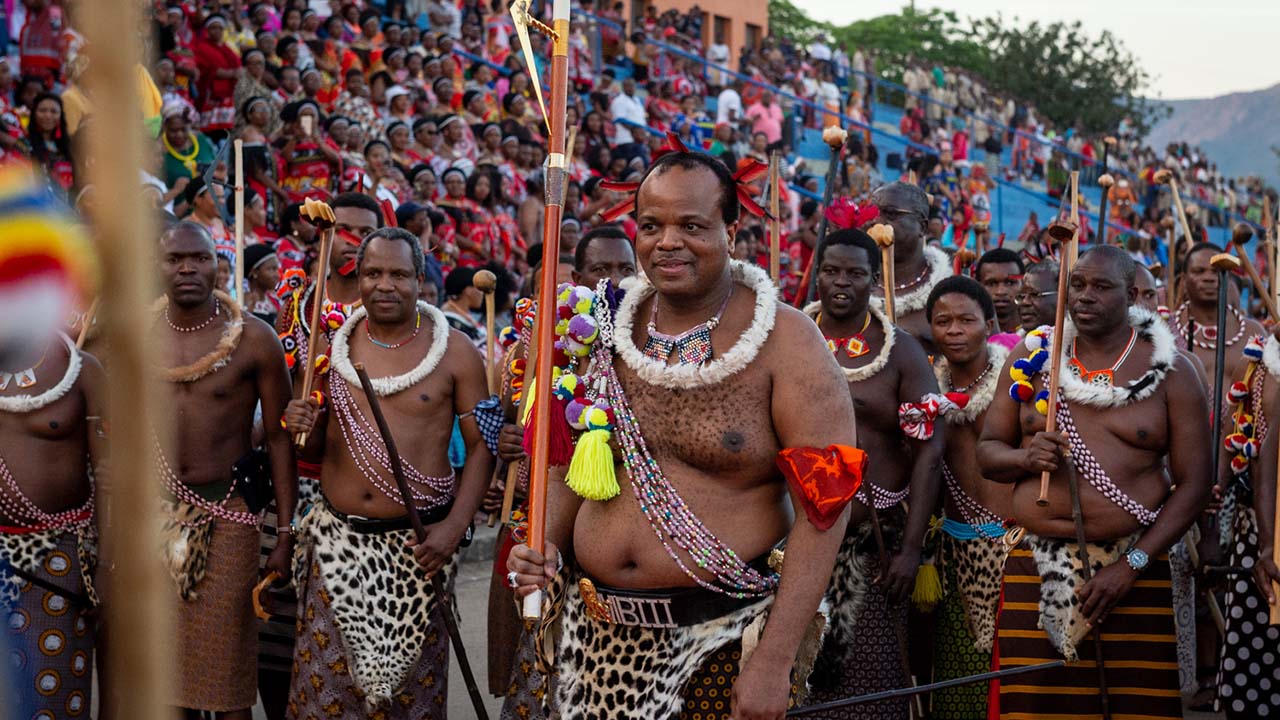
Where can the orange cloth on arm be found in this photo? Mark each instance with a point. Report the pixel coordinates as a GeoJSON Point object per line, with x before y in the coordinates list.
{"type": "Point", "coordinates": [826, 479]}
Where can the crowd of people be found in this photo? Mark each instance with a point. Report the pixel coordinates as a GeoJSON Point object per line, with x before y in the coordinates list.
{"type": "Point", "coordinates": [418, 123]}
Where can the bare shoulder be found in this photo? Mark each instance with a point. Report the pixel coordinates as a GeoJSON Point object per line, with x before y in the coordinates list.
{"type": "Point", "coordinates": [1253, 327]}
{"type": "Point", "coordinates": [794, 328]}
{"type": "Point", "coordinates": [262, 338]}
{"type": "Point", "coordinates": [907, 349]}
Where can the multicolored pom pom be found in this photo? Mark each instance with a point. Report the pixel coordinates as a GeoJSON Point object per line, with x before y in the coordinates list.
{"type": "Point", "coordinates": [322, 364]}
{"type": "Point", "coordinates": [1021, 391]}
{"type": "Point", "coordinates": [1253, 348]}
{"type": "Point", "coordinates": [1239, 465]}
{"type": "Point", "coordinates": [1042, 402]}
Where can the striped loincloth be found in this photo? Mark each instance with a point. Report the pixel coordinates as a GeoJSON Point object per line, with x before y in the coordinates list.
{"type": "Point", "coordinates": [1139, 647]}
{"type": "Point", "coordinates": [217, 634]}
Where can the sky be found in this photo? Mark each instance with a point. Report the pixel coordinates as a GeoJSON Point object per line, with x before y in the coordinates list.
{"type": "Point", "coordinates": [1192, 48]}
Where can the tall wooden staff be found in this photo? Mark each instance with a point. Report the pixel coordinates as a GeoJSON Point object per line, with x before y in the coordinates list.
{"type": "Point", "coordinates": [1165, 177]}
{"type": "Point", "coordinates": [555, 185]}
{"type": "Point", "coordinates": [90, 316]}
{"type": "Point", "coordinates": [443, 603]}
{"type": "Point", "coordinates": [775, 218]}
{"type": "Point", "coordinates": [486, 282]}
{"type": "Point", "coordinates": [1073, 251]}
{"type": "Point", "coordinates": [239, 190]}
{"type": "Point", "coordinates": [1224, 264]}
{"type": "Point", "coordinates": [1241, 234]}
{"type": "Point", "coordinates": [835, 138]}
{"type": "Point", "coordinates": [1066, 234]}
{"type": "Point", "coordinates": [883, 235]}
{"type": "Point", "coordinates": [320, 215]}
{"type": "Point", "coordinates": [139, 624]}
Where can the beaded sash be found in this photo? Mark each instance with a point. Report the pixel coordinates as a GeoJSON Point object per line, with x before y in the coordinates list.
{"type": "Point", "coordinates": [973, 512]}
{"type": "Point", "coordinates": [1089, 467]}
{"type": "Point", "coordinates": [884, 499]}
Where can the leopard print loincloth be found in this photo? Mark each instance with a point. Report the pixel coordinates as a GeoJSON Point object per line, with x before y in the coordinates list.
{"type": "Point", "coordinates": [654, 664]}
{"type": "Point", "coordinates": [27, 552]}
{"type": "Point", "coordinates": [979, 568]}
{"type": "Point", "coordinates": [1057, 562]}
{"type": "Point", "coordinates": [382, 601]}
{"type": "Point", "coordinates": [184, 545]}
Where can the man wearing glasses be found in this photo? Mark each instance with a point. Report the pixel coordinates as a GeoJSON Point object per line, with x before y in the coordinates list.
{"type": "Point", "coordinates": [1038, 298]}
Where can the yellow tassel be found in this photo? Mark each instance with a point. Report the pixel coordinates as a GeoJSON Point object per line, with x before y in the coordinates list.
{"type": "Point", "coordinates": [928, 589]}
{"type": "Point", "coordinates": [591, 472]}
{"type": "Point", "coordinates": [524, 418]}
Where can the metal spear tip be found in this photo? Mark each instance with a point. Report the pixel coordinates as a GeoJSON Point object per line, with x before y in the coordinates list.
{"type": "Point", "coordinates": [1225, 262]}
{"type": "Point", "coordinates": [1062, 230]}
{"type": "Point", "coordinates": [1241, 233]}
{"type": "Point", "coordinates": [1105, 180]}
{"type": "Point", "coordinates": [319, 213]}
{"type": "Point", "coordinates": [1163, 176]}
{"type": "Point", "coordinates": [882, 234]}
{"type": "Point", "coordinates": [834, 136]}
{"type": "Point", "coordinates": [485, 281]}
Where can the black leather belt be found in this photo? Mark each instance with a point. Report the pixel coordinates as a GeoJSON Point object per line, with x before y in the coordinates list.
{"type": "Point", "coordinates": [376, 526]}
{"type": "Point", "coordinates": [664, 607]}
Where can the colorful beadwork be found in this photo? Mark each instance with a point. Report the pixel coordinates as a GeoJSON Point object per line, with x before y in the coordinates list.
{"type": "Point", "coordinates": [1246, 395]}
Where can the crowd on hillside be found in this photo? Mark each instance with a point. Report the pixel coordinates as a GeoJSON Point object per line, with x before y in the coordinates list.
{"type": "Point", "coordinates": [428, 105]}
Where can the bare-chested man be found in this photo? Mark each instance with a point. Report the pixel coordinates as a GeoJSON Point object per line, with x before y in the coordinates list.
{"type": "Point", "coordinates": [52, 398]}
{"type": "Point", "coordinates": [971, 557]}
{"type": "Point", "coordinates": [1149, 299]}
{"type": "Point", "coordinates": [1038, 297]}
{"type": "Point", "coordinates": [669, 577]}
{"type": "Point", "coordinates": [1195, 321]}
{"type": "Point", "coordinates": [371, 638]}
{"type": "Point", "coordinates": [1128, 401]}
{"type": "Point", "coordinates": [886, 370]}
{"type": "Point", "coordinates": [220, 363]}
{"type": "Point", "coordinates": [917, 267]}
{"type": "Point", "coordinates": [1000, 271]}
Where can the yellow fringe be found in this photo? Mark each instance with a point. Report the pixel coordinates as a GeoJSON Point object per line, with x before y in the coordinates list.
{"type": "Point", "coordinates": [928, 590]}
{"type": "Point", "coordinates": [591, 472]}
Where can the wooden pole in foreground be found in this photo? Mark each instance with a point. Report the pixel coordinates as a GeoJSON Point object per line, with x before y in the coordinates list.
{"type": "Point", "coordinates": [320, 215]}
{"type": "Point", "coordinates": [1066, 235]}
{"type": "Point", "coordinates": [87, 322]}
{"type": "Point", "coordinates": [775, 220]}
{"type": "Point", "coordinates": [139, 595]}
{"type": "Point", "coordinates": [1073, 251]}
{"type": "Point", "coordinates": [238, 149]}
{"type": "Point", "coordinates": [883, 235]}
{"type": "Point", "coordinates": [486, 282]}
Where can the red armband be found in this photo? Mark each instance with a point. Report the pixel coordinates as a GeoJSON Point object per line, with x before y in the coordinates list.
{"type": "Point", "coordinates": [825, 480]}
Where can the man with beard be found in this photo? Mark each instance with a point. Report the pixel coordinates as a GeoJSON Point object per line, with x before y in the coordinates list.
{"type": "Point", "coordinates": [1127, 404]}
{"type": "Point", "coordinates": [371, 638]}
{"type": "Point", "coordinates": [1001, 271]}
{"type": "Point", "coordinates": [887, 372]}
{"type": "Point", "coordinates": [971, 555]}
{"type": "Point", "coordinates": [917, 267]}
{"type": "Point", "coordinates": [1195, 321]}
{"type": "Point", "coordinates": [1038, 297]}
{"type": "Point", "coordinates": [671, 582]}
{"type": "Point", "coordinates": [221, 363]}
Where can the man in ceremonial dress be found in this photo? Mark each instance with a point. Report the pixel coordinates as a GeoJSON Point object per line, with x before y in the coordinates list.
{"type": "Point", "coordinates": [1195, 321]}
{"type": "Point", "coordinates": [971, 554]}
{"type": "Point", "coordinates": [221, 363]}
{"type": "Point", "coordinates": [1127, 402]}
{"type": "Point", "coordinates": [895, 396]}
{"type": "Point", "coordinates": [52, 449]}
{"type": "Point", "coordinates": [917, 267]}
{"type": "Point", "coordinates": [670, 586]}
{"type": "Point", "coordinates": [372, 642]}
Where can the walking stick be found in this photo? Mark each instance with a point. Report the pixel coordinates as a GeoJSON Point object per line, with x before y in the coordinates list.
{"type": "Point", "coordinates": [898, 629]}
{"type": "Point", "coordinates": [1066, 235]}
{"type": "Point", "coordinates": [1073, 250]}
{"type": "Point", "coordinates": [420, 533]}
{"type": "Point", "coordinates": [320, 215]}
{"type": "Point", "coordinates": [90, 316]}
{"type": "Point", "coordinates": [1225, 264]}
{"type": "Point", "coordinates": [775, 219]}
{"type": "Point", "coordinates": [239, 190]}
{"type": "Point", "coordinates": [1241, 234]}
{"type": "Point", "coordinates": [1086, 572]}
{"type": "Point", "coordinates": [835, 139]}
{"type": "Point", "coordinates": [883, 235]}
{"type": "Point", "coordinates": [921, 689]}
{"type": "Point", "coordinates": [556, 174]}
{"type": "Point", "coordinates": [1105, 182]}
{"type": "Point", "coordinates": [486, 282]}
{"type": "Point", "coordinates": [1165, 177]}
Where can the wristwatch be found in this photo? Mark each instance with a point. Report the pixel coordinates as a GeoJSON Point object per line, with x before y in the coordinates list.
{"type": "Point", "coordinates": [1137, 559]}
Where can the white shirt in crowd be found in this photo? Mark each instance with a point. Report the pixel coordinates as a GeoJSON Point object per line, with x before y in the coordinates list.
{"type": "Point", "coordinates": [626, 107]}
{"type": "Point", "coordinates": [728, 106]}
{"type": "Point", "coordinates": [818, 50]}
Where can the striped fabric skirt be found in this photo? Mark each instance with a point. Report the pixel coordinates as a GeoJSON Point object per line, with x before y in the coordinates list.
{"type": "Point", "coordinates": [1139, 651]}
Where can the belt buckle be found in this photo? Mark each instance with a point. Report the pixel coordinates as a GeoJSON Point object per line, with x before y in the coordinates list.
{"type": "Point", "coordinates": [622, 610]}
{"type": "Point", "coordinates": [597, 608]}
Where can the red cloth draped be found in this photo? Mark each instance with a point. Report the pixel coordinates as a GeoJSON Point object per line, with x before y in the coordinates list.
{"type": "Point", "coordinates": [825, 479]}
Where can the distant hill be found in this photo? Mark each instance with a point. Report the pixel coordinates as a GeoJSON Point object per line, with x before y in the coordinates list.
{"type": "Point", "coordinates": [1236, 131]}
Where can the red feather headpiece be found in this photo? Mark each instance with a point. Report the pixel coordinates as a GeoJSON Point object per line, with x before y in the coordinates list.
{"type": "Point", "coordinates": [749, 170]}
{"type": "Point", "coordinates": [844, 213]}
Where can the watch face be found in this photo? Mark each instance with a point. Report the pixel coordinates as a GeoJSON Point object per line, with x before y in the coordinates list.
{"type": "Point", "coordinates": [1137, 558]}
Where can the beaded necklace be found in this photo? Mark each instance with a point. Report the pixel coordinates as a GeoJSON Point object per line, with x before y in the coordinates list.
{"type": "Point", "coordinates": [672, 521]}
{"type": "Point", "coordinates": [884, 499]}
{"type": "Point", "coordinates": [692, 347]}
{"type": "Point", "coordinates": [1210, 332]}
{"type": "Point", "coordinates": [417, 326]}
{"type": "Point", "coordinates": [217, 310]}
{"type": "Point", "coordinates": [855, 346]}
{"type": "Point", "coordinates": [370, 454]}
{"type": "Point", "coordinates": [878, 363]}
{"type": "Point", "coordinates": [1092, 471]}
{"type": "Point", "coordinates": [24, 511]}
{"type": "Point", "coordinates": [185, 494]}
{"type": "Point", "coordinates": [939, 267]}
{"type": "Point", "coordinates": [1101, 377]}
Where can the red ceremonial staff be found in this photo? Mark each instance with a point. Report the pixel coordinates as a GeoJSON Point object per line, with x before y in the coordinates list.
{"type": "Point", "coordinates": [544, 336]}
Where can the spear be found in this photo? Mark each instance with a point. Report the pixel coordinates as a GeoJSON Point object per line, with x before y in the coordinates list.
{"type": "Point", "coordinates": [775, 220]}
{"type": "Point", "coordinates": [554, 187]}
{"type": "Point", "coordinates": [239, 195]}
{"type": "Point", "coordinates": [835, 139]}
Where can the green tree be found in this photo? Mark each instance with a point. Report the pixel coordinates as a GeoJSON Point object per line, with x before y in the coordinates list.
{"type": "Point", "coordinates": [932, 36]}
{"type": "Point", "coordinates": [790, 22]}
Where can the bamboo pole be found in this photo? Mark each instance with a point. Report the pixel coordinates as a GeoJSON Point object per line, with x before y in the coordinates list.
{"type": "Point", "coordinates": [139, 620]}
{"type": "Point", "coordinates": [775, 219]}
{"type": "Point", "coordinates": [238, 148]}
{"type": "Point", "coordinates": [1165, 177]}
